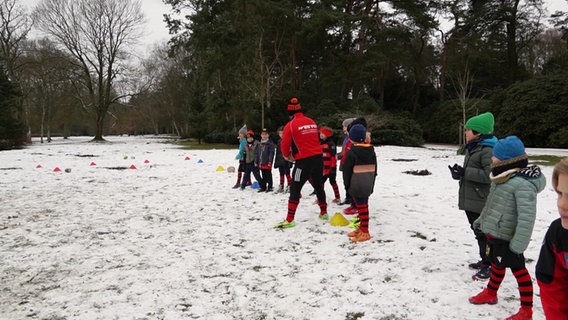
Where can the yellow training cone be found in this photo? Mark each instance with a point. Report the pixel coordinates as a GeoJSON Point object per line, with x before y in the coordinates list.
{"type": "Point", "coordinates": [338, 220]}
{"type": "Point", "coordinates": [219, 168]}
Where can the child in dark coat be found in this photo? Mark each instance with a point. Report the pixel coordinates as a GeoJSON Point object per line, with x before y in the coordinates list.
{"type": "Point", "coordinates": [264, 158]}
{"type": "Point", "coordinates": [284, 166]}
{"type": "Point", "coordinates": [359, 173]}
{"type": "Point", "coordinates": [250, 156]}
{"type": "Point", "coordinates": [329, 161]}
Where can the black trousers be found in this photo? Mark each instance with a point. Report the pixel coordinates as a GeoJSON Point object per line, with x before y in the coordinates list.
{"type": "Point", "coordinates": [479, 236]}
{"type": "Point", "coordinates": [304, 169]}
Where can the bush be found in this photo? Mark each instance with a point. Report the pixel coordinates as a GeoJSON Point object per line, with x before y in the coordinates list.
{"type": "Point", "coordinates": [397, 130]}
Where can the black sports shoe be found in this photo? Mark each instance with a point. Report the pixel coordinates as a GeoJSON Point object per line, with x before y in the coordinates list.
{"type": "Point", "coordinates": [346, 201]}
{"type": "Point", "coordinates": [483, 273]}
{"type": "Point", "coordinates": [476, 265]}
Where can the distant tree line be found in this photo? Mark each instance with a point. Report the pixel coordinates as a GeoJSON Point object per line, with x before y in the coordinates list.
{"type": "Point", "coordinates": [412, 75]}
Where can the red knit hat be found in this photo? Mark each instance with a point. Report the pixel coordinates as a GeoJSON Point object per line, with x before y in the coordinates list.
{"type": "Point", "coordinates": [326, 131]}
{"type": "Point", "coordinates": [294, 105]}
{"type": "Point", "coordinates": [250, 133]}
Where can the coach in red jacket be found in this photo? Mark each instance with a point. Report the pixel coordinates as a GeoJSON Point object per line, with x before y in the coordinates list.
{"type": "Point", "coordinates": [300, 143]}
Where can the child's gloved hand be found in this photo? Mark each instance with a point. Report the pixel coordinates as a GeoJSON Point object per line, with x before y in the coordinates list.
{"type": "Point", "coordinates": [457, 171]}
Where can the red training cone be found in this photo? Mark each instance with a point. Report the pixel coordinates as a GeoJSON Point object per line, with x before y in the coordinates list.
{"type": "Point", "coordinates": [56, 169]}
{"type": "Point", "coordinates": [146, 161]}
{"type": "Point", "coordinates": [132, 167]}
{"type": "Point", "coordinates": [93, 164]}
{"type": "Point", "coordinates": [186, 158]}
{"type": "Point", "coordinates": [39, 166]}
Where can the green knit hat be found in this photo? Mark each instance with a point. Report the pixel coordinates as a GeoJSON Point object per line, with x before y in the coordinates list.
{"type": "Point", "coordinates": [482, 123]}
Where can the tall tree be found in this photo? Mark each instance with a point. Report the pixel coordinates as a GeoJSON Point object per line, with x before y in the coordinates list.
{"type": "Point", "coordinates": [14, 28]}
{"type": "Point", "coordinates": [98, 34]}
{"type": "Point", "coordinates": [12, 131]}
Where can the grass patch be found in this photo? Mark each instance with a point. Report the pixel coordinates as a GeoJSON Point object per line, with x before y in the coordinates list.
{"type": "Point", "coordinates": [193, 145]}
{"type": "Point", "coordinates": [545, 160]}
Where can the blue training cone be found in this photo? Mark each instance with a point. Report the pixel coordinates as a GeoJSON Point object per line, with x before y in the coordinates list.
{"type": "Point", "coordinates": [255, 185]}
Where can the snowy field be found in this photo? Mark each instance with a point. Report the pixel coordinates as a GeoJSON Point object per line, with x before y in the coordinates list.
{"type": "Point", "coordinates": [140, 229]}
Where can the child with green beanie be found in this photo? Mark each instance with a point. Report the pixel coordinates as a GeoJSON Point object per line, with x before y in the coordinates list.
{"type": "Point", "coordinates": [474, 182]}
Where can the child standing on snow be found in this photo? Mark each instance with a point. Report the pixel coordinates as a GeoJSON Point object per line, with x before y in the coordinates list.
{"type": "Point", "coordinates": [345, 146]}
{"type": "Point", "coordinates": [474, 182]}
{"type": "Point", "coordinates": [264, 158]}
{"type": "Point", "coordinates": [359, 173]}
{"type": "Point", "coordinates": [241, 155]}
{"type": "Point", "coordinates": [282, 164]}
{"type": "Point", "coordinates": [508, 219]}
{"type": "Point", "coordinates": [250, 156]}
{"type": "Point", "coordinates": [551, 268]}
{"type": "Point", "coordinates": [329, 161]}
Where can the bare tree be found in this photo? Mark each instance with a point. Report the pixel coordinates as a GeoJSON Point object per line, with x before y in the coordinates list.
{"type": "Point", "coordinates": [98, 34]}
{"type": "Point", "coordinates": [14, 28]}
{"type": "Point", "coordinates": [463, 87]}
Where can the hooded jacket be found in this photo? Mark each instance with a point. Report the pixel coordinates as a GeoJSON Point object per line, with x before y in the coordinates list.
{"type": "Point", "coordinates": [510, 211]}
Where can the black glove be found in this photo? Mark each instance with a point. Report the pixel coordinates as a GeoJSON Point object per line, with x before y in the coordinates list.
{"type": "Point", "coordinates": [457, 171]}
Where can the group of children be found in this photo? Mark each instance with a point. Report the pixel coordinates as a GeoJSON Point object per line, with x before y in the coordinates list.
{"type": "Point", "coordinates": [258, 157]}
{"type": "Point", "coordinates": [498, 192]}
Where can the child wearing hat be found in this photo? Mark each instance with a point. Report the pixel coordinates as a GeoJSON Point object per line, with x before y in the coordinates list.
{"type": "Point", "coordinates": [345, 146]}
{"type": "Point", "coordinates": [329, 161]}
{"type": "Point", "coordinates": [250, 160]}
{"type": "Point", "coordinates": [264, 158]}
{"type": "Point", "coordinates": [359, 173]}
{"type": "Point", "coordinates": [551, 268]}
{"type": "Point", "coordinates": [241, 155]}
{"type": "Point", "coordinates": [508, 219]}
{"type": "Point", "coordinates": [474, 182]}
{"type": "Point", "coordinates": [282, 164]}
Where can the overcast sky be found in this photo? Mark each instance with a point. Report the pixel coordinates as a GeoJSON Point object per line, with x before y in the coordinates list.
{"type": "Point", "coordinates": [157, 32]}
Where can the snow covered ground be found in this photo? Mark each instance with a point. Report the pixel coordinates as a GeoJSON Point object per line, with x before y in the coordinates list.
{"type": "Point", "coordinates": [171, 239]}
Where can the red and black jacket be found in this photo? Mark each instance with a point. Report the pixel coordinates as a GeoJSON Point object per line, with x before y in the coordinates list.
{"type": "Point", "coordinates": [300, 138]}
{"type": "Point", "coordinates": [329, 151]}
{"type": "Point", "coordinates": [552, 272]}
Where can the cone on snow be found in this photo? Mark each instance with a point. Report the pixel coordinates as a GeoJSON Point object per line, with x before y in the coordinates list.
{"type": "Point", "coordinates": [146, 161]}
{"type": "Point", "coordinates": [230, 169]}
{"type": "Point", "coordinates": [39, 166]}
{"type": "Point", "coordinates": [338, 220]}
{"type": "Point", "coordinates": [200, 161]}
{"type": "Point", "coordinates": [132, 167]}
{"type": "Point", "coordinates": [187, 158]}
{"type": "Point", "coordinates": [56, 169]}
{"type": "Point", "coordinates": [93, 164]}
{"type": "Point", "coordinates": [219, 168]}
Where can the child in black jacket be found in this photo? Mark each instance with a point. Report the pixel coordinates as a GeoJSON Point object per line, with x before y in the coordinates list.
{"type": "Point", "coordinates": [359, 173]}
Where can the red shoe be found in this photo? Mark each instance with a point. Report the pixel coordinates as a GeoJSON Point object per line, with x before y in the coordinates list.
{"type": "Point", "coordinates": [524, 313]}
{"type": "Point", "coordinates": [484, 297]}
{"type": "Point", "coordinates": [350, 210]}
